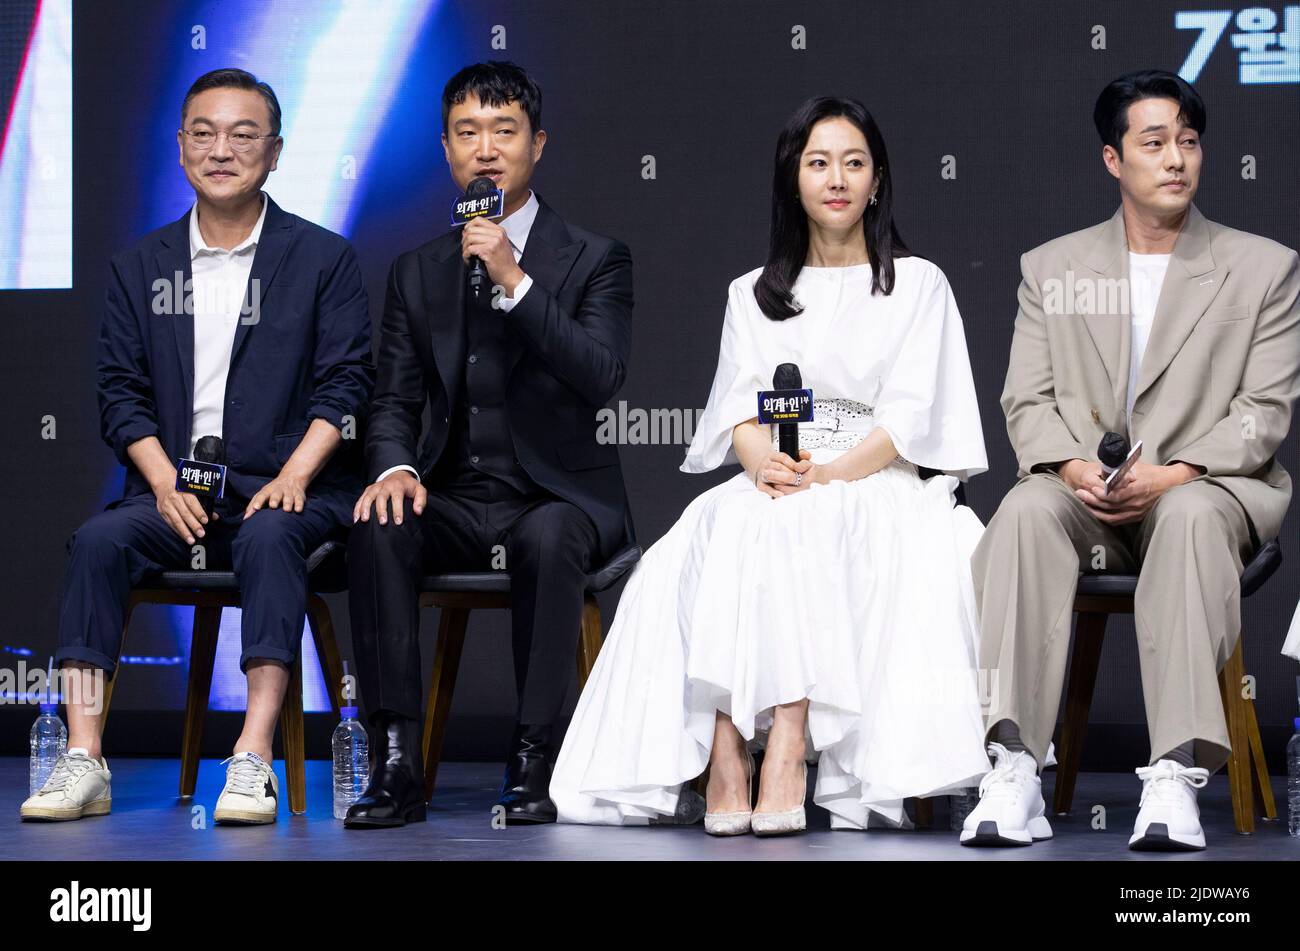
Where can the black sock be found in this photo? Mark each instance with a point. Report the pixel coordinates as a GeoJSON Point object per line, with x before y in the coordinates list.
{"type": "Point", "coordinates": [1008, 734]}
{"type": "Point", "coordinates": [1182, 755]}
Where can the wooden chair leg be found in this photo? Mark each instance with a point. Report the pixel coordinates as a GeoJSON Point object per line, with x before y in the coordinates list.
{"type": "Point", "coordinates": [1261, 765]}
{"type": "Point", "coordinates": [110, 681]}
{"type": "Point", "coordinates": [327, 648]}
{"type": "Point", "coordinates": [1243, 798]}
{"type": "Point", "coordinates": [203, 654]}
{"type": "Point", "coordinates": [924, 813]}
{"type": "Point", "coordinates": [446, 664]}
{"type": "Point", "coordinates": [589, 640]}
{"type": "Point", "coordinates": [291, 729]}
{"type": "Point", "coordinates": [1089, 631]}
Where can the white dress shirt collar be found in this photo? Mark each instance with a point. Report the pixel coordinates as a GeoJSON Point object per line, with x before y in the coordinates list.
{"type": "Point", "coordinates": [518, 225]}
{"type": "Point", "coordinates": [198, 245]}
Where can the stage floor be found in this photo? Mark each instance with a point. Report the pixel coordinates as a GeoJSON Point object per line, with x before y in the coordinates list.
{"type": "Point", "coordinates": [150, 822]}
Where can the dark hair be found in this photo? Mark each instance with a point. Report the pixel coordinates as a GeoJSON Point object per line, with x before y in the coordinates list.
{"type": "Point", "coordinates": [234, 79]}
{"type": "Point", "coordinates": [1110, 115]}
{"type": "Point", "coordinates": [496, 83]}
{"type": "Point", "coordinates": [788, 246]}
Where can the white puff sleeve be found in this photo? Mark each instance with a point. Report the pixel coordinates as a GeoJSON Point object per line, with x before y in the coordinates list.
{"type": "Point", "coordinates": [734, 396]}
{"type": "Point", "coordinates": [927, 400]}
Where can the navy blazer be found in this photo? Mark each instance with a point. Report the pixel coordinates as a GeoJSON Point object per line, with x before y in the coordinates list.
{"type": "Point", "coordinates": [306, 357]}
{"type": "Point", "coordinates": [575, 330]}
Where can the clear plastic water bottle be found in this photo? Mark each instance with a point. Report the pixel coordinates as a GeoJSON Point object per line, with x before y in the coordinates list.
{"type": "Point", "coordinates": [960, 805]}
{"type": "Point", "coordinates": [1293, 781]}
{"type": "Point", "coordinates": [351, 761]}
{"type": "Point", "coordinates": [49, 742]}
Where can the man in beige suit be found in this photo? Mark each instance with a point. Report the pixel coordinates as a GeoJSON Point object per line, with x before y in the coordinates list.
{"type": "Point", "coordinates": [1185, 335]}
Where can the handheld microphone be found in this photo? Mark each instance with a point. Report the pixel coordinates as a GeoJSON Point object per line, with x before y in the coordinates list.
{"type": "Point", "coordinates": [1112, 452]}
{"type": "Point", "coordinates": [788, 377]}
{"type": "Point", "coordinates": [210, 449]}
{"type": "Point", "coordinates": [1117, 458]}
{"type": "Point", "coordinates": [205, 474]}
{"type": "Point", "coordinates": [482, 200]}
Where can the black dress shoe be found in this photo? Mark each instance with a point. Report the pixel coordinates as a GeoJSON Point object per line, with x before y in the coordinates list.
{"type": "Point", "coordinates": [526, 788]}
{"type": "Point", "coordinates": [395, 794]}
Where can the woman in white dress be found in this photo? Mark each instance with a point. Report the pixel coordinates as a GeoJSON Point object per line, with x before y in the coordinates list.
{"type": "Point", "coordinates": [825, 600]}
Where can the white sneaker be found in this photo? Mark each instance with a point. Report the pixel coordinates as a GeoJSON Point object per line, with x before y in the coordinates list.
{"type": "Point", "coordinates": [1168, 818]}
{"type": "Point", "coordinates": [251, 792]}
{"type": "Point", "coordinates": [78, 786]}
{"type": "Point", "coordinates": [1010, 810]}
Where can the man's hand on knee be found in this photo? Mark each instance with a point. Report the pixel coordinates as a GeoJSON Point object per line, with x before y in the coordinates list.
{"type": "Point", "coordinates": [390, 495]}
{"type": "Point", "coordinates": [287, 492]}
{"type": "Point", "coordinates": [182, 511]}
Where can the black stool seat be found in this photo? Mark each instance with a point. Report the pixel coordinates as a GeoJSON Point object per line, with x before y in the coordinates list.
{"type": "Point", "coordinates": [1265, 562]}
{"type": "Point", "coordinates": [326, 574]}
{"type": "Point", "coordinates": [498, 582]}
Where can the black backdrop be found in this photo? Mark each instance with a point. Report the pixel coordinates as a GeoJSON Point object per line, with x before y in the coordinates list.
{"type": "Point", "coordinates": [1003, 88]}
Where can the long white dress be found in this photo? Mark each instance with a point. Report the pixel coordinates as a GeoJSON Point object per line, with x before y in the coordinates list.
{"type": "Point", "coordinates": [1292, 645]}
{"type": "Point", "coordinates": [856, 595]}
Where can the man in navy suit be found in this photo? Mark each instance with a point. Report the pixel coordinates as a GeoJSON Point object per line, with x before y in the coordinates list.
{"type": "Point", "coordinates": [511, 474]}
{"type": "Point", "coordinates": [269, 349]}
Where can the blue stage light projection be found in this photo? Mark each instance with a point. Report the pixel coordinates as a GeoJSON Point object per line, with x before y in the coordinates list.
{"type": "Point", "coordinates": [36, 144]}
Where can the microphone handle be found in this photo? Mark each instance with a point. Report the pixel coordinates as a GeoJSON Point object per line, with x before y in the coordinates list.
{"type": "Point", "coordinates": [477, 274]}
{"type": "Point", "coordinates": [788, 434]}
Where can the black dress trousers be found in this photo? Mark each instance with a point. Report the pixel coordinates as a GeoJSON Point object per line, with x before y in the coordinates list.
{"type": "Point", "coordinates": [479, 498]}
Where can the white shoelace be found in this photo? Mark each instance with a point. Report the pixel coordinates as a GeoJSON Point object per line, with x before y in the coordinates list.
{"type": "Point", "coordinates": [1003, 781]}
{"type": "Point", "coordinates": [248, 775]}
{"type": "Point", "coordinates": [68, 768]}
{"type": "Point", "coordinates": [1165, 780]}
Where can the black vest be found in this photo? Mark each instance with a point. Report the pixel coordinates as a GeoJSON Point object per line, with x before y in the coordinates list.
{"type": "Point", "coordinates": [479, 459]}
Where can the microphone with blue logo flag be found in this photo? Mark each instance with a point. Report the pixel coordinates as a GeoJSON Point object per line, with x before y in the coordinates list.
{"type": "Point", "coordinates": [482, 199]}
{"type": "Point", "coordinates": [204, 475]}
{"type": "Point", "coordinates": [786, 405]}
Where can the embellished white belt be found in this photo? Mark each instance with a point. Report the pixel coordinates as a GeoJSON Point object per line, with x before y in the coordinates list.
{"type": "Point", "coordinates": [836, 424]}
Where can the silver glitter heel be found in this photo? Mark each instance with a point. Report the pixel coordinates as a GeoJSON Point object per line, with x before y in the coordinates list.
{"type": "Point", "coordinates": [782, 823]}
{"type": "Point", "coordinates": [733, 823]}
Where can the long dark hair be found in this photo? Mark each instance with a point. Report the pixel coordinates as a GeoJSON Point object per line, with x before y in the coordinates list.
{"type": "Point", "coordinates": [788, 247]}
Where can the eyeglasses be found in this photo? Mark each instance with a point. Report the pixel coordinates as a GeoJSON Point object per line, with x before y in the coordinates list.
{"type": "Point", "coordinates": [204, 139]}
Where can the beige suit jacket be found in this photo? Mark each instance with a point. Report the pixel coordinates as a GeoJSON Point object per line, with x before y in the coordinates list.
{"type": "Point", "coordinates": [1219, 377]}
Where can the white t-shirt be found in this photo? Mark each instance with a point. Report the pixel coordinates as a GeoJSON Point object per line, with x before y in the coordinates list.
{"type": "Point", "coordinates": [1146, 276]}
{"type": "Point", "coordinates": [220, 284]}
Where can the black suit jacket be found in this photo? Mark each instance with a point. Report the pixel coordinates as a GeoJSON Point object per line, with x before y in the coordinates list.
{"type": "Point", "coordinates": [307, 356]}
{"type": "Point", "coordinates": [574, 327]}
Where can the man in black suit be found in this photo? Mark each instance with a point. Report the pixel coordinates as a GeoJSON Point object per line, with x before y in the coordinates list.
{"type": "Point", "coordinates": [511, 474]}
{"type": "Point", "coordinates": [242, 321]}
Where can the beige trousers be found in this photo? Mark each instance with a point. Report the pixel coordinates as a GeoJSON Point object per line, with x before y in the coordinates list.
{"type": "Point", "coordinates": [1188, 553]}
